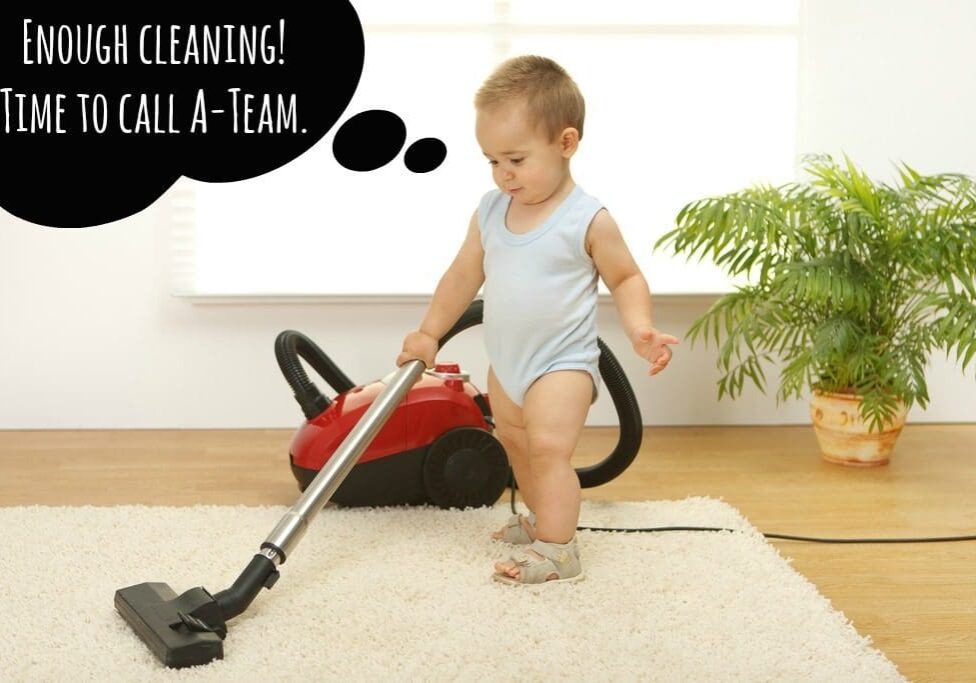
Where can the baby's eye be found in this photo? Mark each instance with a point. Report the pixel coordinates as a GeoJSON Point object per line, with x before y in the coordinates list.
{"type": "Point", "coordinates": [492, 163]}
{"type": "Point", "coordinates": [517, 161]}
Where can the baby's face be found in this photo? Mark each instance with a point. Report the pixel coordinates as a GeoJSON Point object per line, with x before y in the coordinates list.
{"type": "Point", "coordinates": [524, 162]}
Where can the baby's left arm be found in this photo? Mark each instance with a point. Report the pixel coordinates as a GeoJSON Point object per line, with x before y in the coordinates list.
{"type": "Point", "coordinates": [629, 289]}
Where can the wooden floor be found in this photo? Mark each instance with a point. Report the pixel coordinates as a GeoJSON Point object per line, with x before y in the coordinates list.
{"type": "Point", "coordinates": [916, 601]}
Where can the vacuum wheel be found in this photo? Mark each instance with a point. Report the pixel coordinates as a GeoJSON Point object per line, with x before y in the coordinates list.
{"type": "Point", "coordinates": [465, 467]}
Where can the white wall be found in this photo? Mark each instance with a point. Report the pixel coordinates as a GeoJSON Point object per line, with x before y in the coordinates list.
{"type": "Point", "coordinates": [889, 81]}
{"type": "Point", "coordinates": [91, 338]}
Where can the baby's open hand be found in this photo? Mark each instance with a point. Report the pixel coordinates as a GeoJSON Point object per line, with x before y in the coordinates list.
{"type": "Point", "coordinates": [653, 347]}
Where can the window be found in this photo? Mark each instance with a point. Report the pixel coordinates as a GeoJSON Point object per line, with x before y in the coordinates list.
{"type": "Point", "coordinates": [683, 100]}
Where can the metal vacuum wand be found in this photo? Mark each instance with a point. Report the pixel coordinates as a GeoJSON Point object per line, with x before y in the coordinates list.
{"type": "Point", "coordinates": [294, 524]}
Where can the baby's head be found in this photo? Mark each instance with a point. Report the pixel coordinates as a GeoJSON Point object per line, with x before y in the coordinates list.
{"type": "Point", "coordinates": [551, 98]}
{"type": "Point", "coordinates": [529, 123]}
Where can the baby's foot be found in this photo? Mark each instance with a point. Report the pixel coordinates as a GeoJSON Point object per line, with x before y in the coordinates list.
{"type": "Point", "coordinates": [511, 568]}
{"type": "Point", "coordinates": [519, 529]}
{"type": "Point", "coordinates": [542, 562]}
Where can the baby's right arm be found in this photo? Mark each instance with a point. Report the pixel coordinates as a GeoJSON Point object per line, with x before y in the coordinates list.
{"type": "Point", "coordinates": [457, 287]}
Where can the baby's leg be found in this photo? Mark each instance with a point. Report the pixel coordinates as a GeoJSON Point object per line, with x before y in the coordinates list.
{"type": "Point", "coordinates": [511, 433]}
{"type": "Point", "coordinates": [553, 415]}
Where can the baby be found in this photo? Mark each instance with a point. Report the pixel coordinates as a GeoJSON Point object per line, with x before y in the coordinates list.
{"type": "Point", "coordinates": [538, 244]}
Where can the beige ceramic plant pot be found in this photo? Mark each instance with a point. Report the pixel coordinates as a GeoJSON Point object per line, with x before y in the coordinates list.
{"type": "Point", "coordinates": [844, 436]}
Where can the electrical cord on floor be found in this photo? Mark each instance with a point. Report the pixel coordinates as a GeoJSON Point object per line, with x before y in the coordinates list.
{"type": "Point", "coordinates": [810, 539]}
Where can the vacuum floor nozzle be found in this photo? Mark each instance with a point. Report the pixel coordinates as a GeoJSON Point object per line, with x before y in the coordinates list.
{"type": "Point", "coordinates": [170, 625]}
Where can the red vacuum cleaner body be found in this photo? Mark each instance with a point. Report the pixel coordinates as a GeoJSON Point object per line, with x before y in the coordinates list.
{"type": "Point", "coordinates": [437, 447]}
{"type": "Point", "coordinates": [433, 406]}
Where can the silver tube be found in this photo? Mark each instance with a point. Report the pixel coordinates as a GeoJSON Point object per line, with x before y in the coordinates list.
{"type": "Point", "coordinates": [294, 524]}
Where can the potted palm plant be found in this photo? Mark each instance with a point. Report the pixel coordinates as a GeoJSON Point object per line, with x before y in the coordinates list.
{"type": "Point", "coordinates": [852, 285]}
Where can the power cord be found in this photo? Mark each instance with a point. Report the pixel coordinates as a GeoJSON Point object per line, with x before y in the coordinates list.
{"type": "Point", "coordinates": [810, 539]}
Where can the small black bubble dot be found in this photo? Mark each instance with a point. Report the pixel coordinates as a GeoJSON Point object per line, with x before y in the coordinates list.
{"type": "Point", "coordinates": [425, 155]}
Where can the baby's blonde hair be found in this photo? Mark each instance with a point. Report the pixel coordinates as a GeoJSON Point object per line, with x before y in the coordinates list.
{"type": "Point", "coordinates": [553, 99]}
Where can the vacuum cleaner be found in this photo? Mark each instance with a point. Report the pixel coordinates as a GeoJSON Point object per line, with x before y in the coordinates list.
{"type": "Point", "coordinates": [436, 447]}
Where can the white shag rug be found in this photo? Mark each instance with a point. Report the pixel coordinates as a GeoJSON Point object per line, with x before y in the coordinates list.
{"type": "Point", "coordinates": [404, 594]}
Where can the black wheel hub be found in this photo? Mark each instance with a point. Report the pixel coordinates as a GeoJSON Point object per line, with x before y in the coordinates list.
{"type": "Point", "coordinates": [465, 467]}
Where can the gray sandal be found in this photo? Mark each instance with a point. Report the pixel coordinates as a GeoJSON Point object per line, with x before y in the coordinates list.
{"type": "Point", "coordinates": [561, 559]}
{"type": "Point", "coordinates": [514, 532]}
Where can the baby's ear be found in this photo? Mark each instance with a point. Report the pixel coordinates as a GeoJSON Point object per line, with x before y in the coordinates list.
{"type": "Point", "coordinates": [569, 141]}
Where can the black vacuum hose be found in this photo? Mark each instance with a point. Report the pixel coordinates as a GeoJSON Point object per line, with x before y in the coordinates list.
{"type": "Point", "coordinates": [628, 417]}
{"type": "Point", "coordinates": [474, 315]}
{"type": "Point", "coordinates": [622, 394]}
{"type": "Point", "coordinates": [259, 573]}
{"type": "Point", "coordinates": [289, 345]}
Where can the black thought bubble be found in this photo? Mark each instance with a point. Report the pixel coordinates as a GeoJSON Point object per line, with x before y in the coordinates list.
{"type": "Point", "coordinates": [102, 111]}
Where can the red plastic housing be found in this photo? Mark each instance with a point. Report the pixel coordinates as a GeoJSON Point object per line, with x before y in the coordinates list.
{"type": "Point", "coordinates": [433, 406]}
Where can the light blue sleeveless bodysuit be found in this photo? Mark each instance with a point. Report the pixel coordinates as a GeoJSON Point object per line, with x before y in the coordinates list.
{"type": "Point", "coordinates": [540, 293]}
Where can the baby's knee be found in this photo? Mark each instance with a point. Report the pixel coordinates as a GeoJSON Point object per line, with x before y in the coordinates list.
{"type": "Point", "coordinates": [549, 446]}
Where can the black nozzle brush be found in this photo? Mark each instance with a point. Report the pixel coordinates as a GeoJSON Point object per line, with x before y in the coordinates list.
{"type": "Point", "coordinates": [166, 623]}
{"type": "Point", "coordinates": [189, 629]}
